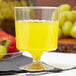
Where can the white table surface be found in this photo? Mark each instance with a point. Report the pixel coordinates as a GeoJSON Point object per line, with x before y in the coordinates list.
{"type": "Point", "coordinates": [61, 60]}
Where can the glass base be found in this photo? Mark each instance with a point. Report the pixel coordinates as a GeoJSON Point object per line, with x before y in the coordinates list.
{"type": "Point", "coordinates": [39, 67]}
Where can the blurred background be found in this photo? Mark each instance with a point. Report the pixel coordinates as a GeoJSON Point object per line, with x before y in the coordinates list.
{"type": "Point", "coordinates": [67, 19]}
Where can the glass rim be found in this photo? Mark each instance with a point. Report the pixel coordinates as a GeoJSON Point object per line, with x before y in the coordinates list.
{"type": "Point", "coordinates": [37, 7]}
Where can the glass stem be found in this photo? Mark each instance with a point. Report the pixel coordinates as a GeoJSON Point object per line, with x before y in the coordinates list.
{"type": "Point", "coordinates": [36, 55]}
{"type": "Point", "coordinates": [36, 60]}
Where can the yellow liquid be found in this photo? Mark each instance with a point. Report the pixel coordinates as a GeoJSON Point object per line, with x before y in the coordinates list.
{"type": "Point", "coordinates": [36, 37]}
